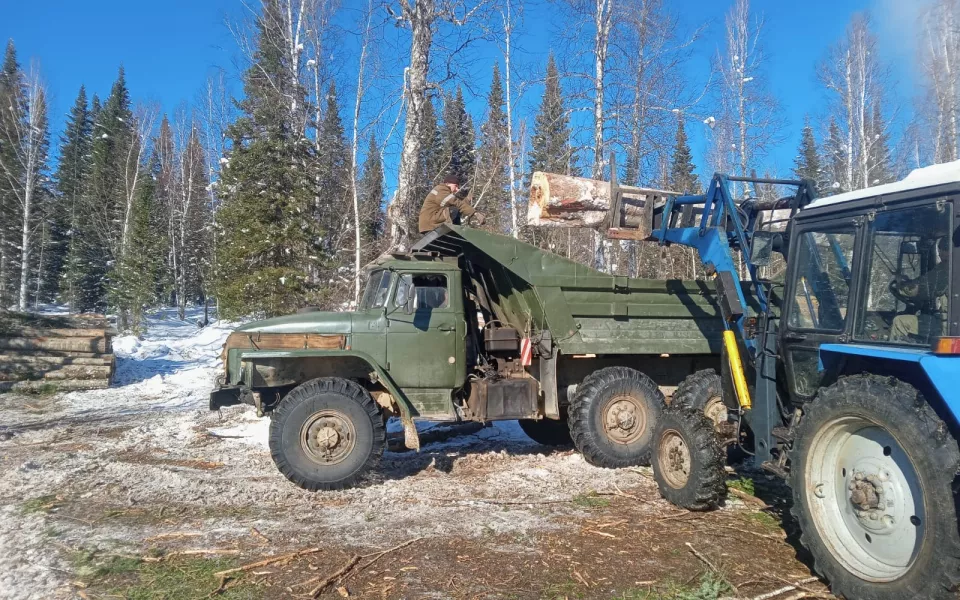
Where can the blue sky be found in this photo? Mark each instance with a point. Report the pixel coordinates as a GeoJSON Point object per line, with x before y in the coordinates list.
{"type": "Point", "coordinates": [169, 48]}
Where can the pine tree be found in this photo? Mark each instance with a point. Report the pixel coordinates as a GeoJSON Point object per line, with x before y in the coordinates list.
{"type": "Point", "coordinates": [551, 149]}
{"type": "Point", "coordinates": [268, 242]}
{"type": "Point", "coordinates": [881, 163]}
{"type": "Point", "coordinates": [807, 163]}
{"type": "Point", "coordinates": [100, 224]}
{"type": "Point", "coordinates": [371, 191]}
{"type": "Point", "coordinates": [134, 278]}
{"type": "Point", "coordinates": [71, 178]}
{"type": "Point", "coordinates": [834, 160]}
{"type": "Point", "coordinates": [682, 176]}
{"type": "Point", "coordinates": [11, 91]}
{"type": "Point", "coordinates": [494, 154]}
{"type": "Point", "coordinates": [459, 140]}
{"type": "Point", "coordinates": [333, 174]}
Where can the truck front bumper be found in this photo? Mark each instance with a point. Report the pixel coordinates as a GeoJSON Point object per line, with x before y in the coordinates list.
{"type": "Point", "coordinates": [228, 396]}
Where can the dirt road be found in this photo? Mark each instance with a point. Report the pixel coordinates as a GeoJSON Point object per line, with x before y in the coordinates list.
{"type": "Point", "coordinates": [138, 491]}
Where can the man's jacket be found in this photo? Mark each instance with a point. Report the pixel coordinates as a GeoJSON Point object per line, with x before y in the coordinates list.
{"type": "Point", "coordinates": [436, 208]}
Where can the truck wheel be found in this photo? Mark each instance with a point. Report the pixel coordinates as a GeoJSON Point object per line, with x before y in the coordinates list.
{"type": "Point", "coordinates": [688, 460]}
{"type": "Point", "coordinates": [872, 470]}
{"type": "Point", "coordinates": [613, 415]}
{"type": "Point", "coordinates": [326, 434]}
{"type": "Point", "coordinates": [702, 392]}
{"type": "Point", "coordinates": [548, 432]}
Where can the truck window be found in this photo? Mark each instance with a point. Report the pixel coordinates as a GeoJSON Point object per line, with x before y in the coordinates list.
{"type": "Point", "coordinates": [431, 291]}
{"type": "Point", "coordinates": [906, 301]}
{"type": "Point", "coordinates": [377, 289]}
{"type": "Point", "coordinates": [823, 277]}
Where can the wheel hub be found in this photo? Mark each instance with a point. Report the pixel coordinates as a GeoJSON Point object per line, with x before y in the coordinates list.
{"type": "Point", "coordinates": [624, 420]}
{"type": "Point", "coordinates": [674, 457]}
{"type": "Point", "coordinates": [328, 437]}
{"type": "Point", "coordinates": [867, 501]}
{"type": "Point", "coordinates": [716, 410]}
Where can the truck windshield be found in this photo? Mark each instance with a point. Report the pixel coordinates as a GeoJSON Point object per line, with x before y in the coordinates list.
{"type": "Point", "coordinates": [907, 297]}
{"type": "Point", "coordinates": [377, 290]}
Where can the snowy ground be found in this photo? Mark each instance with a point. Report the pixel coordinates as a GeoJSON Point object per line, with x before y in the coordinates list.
{"type": "Point", "coordinates": [144, 465]}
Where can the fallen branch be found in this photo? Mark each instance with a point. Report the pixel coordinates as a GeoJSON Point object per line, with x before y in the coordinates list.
{"type": "Point", "coordinates": [798, 585]}
{"type": "Point", "coordinates": [603, 533]}
{"type": "Point", "coordinates": [748, 498]}
{"type": "Point", "coordinates": [315, 592]}
{"type": "Point", "coordinates": [267, 561]}
{"type": "Point", "coordinates": [502, 502]}
{"type": "Point", "coordinates": [194, 552]}
{"type": "Point", "coordinates": [346, 570]}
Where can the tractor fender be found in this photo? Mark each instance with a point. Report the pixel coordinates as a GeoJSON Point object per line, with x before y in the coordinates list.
{"type": "Point", "coordinates": [939, 373]}
{"type": "Point", "coordinates": [265, 363]}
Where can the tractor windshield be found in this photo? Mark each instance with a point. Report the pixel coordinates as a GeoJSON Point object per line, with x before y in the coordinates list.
{"type": "Point", "coordinates": [907, 299]}
{"type": "Point", "coordinates": [823, 279]}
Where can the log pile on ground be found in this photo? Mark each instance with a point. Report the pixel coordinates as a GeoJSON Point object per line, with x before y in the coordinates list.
{"type": "Point", "coordinates": [63, 352]}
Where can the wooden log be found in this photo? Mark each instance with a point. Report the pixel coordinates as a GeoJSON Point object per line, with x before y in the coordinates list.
{"type": "Point", "coordinates": [78, 372]}
{"type": "Point", "coordinates": [34, 332]}
{"type": "Point", "coordinates": [70, 344]}
{"type": "Point", "coordinates": [54, 353]}
{"type": "Point", "coordinates": [45, 361]}
{"type": "Point", "coordinates": [63, 386]}
{"type": "Point", "coordinates": [565, 201]}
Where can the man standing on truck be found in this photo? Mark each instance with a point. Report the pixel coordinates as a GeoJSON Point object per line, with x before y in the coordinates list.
{"type": "Point", "coordinates": [442, 205]}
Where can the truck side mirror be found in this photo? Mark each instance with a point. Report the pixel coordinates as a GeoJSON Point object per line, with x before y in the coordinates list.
{"type": "Point", "coordinates": [761, 248]}
{"type": "Point", "coordinates": [907, 248]}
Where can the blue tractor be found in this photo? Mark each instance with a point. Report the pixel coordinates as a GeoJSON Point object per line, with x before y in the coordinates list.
{"type": "Point", "coordinates": [841, 371]}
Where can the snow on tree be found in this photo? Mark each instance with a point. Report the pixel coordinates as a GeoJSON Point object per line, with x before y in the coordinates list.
{"type": "Point", "coordinates": [24, 136]}
{"type": "Point", "coordinates": [73, 169]}
{"type": "Point", "coordinates": [269, 245]}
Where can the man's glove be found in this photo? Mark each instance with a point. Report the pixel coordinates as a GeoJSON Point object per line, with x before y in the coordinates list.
{"type": "Point", "coordinates": [479, 219]}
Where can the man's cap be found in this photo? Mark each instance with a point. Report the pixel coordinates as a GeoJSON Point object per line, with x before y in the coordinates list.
{"type": "Point", "coordinates": [451, 180]}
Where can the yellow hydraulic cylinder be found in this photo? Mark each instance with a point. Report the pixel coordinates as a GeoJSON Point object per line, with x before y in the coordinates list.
{"type": "Point", "coordinates": [736, 370]}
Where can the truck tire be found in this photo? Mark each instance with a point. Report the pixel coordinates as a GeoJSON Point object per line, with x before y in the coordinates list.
{"type": "Point", "coordinates": [688, 460]}
{"type": "Point", "coordinates": [548, 432]}
{"type": "Point", "coordinates": [872, 475]}
{"type": "Point", "coordinates": [612, 417]}
{"type": "Point", "coordinates": [326, 434]}
{"type": "Point", "coordinates": [702, 391]}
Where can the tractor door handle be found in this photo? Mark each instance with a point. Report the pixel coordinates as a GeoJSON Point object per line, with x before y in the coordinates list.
{"type": "Point", "coordinates": [447, 328]}
{"type": "Point", "coordinates": [794, 337]}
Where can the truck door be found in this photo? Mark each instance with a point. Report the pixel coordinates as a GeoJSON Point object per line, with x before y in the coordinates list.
{"type": "Point", "coordinates": [818, 296]}
{"type": "Point", "coordinates": [424, 347]}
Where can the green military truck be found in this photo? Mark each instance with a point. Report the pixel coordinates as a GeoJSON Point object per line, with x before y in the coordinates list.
{"type": "Point", "coordinates": [472, 326]}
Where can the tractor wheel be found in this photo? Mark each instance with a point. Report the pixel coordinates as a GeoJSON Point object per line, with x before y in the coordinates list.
{"type": "Point", "coordinates": [702, 392]}
{"type": "Point", "coordinates": [548, 432]}
{"type": "Point", "coordinates": [612, 417]}
{"type": "Point", "coordinates": [326, 434]}
{"type": "Point", "coordinates": [688, 460]}
{"type": "Point", "coordinates": [872, 474]}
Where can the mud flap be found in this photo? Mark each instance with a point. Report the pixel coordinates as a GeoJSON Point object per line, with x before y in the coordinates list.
{"type": "Point", "coordinates": [411, 439]}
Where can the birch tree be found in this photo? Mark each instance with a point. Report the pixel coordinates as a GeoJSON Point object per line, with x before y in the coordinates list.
{"type": "Point", "coordinates": [749, 122]}
{"type": "Point", "coordinates": [421, 18]}
{"type": "Point", "coordinates": [856, 79]}
{"type": "Point", "coordinates": [354, 143]}
{"type": "Point", "coordinates": [26, 134]}
{"type": "Point", "coordinates": [940, 66]}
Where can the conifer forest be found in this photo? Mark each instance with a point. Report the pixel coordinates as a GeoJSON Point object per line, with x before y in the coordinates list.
{"type": "Point", "coordinates": [288, 171]}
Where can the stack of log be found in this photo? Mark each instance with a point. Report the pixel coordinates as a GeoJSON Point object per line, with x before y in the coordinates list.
{"type": "Point", "coordinates": [69, 352]}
